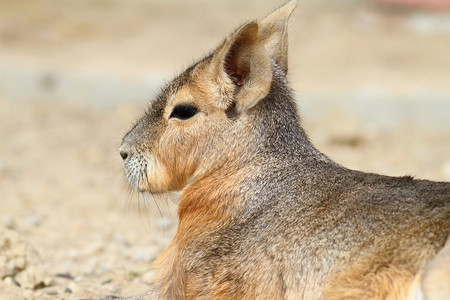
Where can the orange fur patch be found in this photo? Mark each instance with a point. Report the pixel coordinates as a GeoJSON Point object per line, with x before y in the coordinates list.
{"type": "Point", "coordinates": [205, 206]}
{"type": "Point", "coordinates": [387, 283]}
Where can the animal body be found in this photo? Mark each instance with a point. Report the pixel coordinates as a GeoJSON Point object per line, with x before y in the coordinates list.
{"type": "Point", "coordinates": [263, 214]}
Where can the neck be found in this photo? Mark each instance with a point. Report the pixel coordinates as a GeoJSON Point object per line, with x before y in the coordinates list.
{"type": "Point", "coordinates": [278, 125]}
{"type": "Point", "coordinates": [276, 144]}
{"type": "Point", "coordinates": [212, 198]}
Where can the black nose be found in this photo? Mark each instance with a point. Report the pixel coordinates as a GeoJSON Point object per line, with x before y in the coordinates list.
{"type": "Point", "coordinates": [123, 154]}
{"type": "Point", "coordinates": [125, 151]}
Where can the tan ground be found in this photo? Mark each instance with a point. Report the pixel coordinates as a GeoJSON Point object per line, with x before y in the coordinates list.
{"type": "Point", "coordinates": [373, 85]}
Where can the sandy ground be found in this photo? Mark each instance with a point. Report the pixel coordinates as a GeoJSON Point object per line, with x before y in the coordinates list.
{"type": "Point", "coordinates": [372, 82]}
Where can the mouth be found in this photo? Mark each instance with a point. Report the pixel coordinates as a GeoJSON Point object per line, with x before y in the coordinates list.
{"type": "Point", "coordinates": [136, 175]}
{"type": "Point", "coordinates": [145, 174]}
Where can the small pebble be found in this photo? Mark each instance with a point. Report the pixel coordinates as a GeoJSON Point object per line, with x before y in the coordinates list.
{"type": "Point", "coordinates": [93, 249]}
{"type": "Point", "coordinates": [118, 238]}
{"type": "Point", "coordinates": [88, 269]}
{"type": "Point", "coordinates": [9, 222]}
{"type": "Point", "coordinates": [64, 275]}
{"type": "Point", "coordinates": [15, 281]}
{"type": "Point", "coordinates": [104, 267]}
{"type": "Point", "coordinates": [33, 221]}
{"type": "Point", "coordinates": [47, 281]}
{"type": "Point", "coordinates": [106, 281]}
{"type": "Point", "coordinates": [115, 289]}
{"type": "Point", "coordinates": [9, 281]}
{"type": "Point", "coordinates": [68, 291]}
{"type": "Point", "coordinates": [73, 253]}
{"type": "Point", "coordinates": [50, 291]}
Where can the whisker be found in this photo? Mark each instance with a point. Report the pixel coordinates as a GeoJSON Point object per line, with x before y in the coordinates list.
{"type": "Point", "coordinates": [136, 175]}
{"type": "Point", "coordinates": [162, 218]}
{"type": "Point", "coordinates": [146, 206]}
{"type": "Point", "coordinates": [148, 195]}
{"type": "Point", "coordinates": [129, 196]}
{"type": "Point", "coordinates": [141, 218]}
{"type": "Point", "coordinates": [127, 204]}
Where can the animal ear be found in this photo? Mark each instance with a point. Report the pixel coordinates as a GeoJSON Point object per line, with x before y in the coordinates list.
{"type": "Point", "coordinates": [273, 34]}
{"type": "Point", "coordinates": [241, 69]}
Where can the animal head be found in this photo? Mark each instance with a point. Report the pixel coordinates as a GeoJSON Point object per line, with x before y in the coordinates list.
{"type": "Point", "coordinates": [207, 117]}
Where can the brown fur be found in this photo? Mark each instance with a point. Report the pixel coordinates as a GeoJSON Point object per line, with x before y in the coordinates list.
{"type": "Point", "coordinates": [371, 282]}
{"type": "Point", "coordinates": [263, 214]}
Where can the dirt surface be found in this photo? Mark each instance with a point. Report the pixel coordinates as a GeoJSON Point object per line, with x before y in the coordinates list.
{"type": "Point", "coordinates": [372, 82]}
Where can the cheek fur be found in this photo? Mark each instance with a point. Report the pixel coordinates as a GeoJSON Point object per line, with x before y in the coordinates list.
{"type": "Point", "coordinates": [178, 153]}
{"type": "Point", "coordinates": [158, 179]}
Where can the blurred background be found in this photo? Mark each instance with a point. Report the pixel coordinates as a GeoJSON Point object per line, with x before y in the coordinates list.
{"type": "Point", "coordinates": [372, 81]}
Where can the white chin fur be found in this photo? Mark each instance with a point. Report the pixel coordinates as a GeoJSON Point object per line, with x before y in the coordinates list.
{"type": "Point", "coordinates": [145, 173]}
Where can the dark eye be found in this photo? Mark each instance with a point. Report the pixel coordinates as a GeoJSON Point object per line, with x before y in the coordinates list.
{"type": "Point", "coordinates": [183, 111]}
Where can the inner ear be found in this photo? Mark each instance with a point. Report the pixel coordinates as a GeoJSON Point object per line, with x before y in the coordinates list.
{"type": "Point", "coordinates": [241, 70]}
{"type": "Point", "coordinates": [236, 68]}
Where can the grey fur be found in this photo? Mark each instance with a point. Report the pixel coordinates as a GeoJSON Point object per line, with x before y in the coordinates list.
{"type": "Point", "coordinates": [304, 219]}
